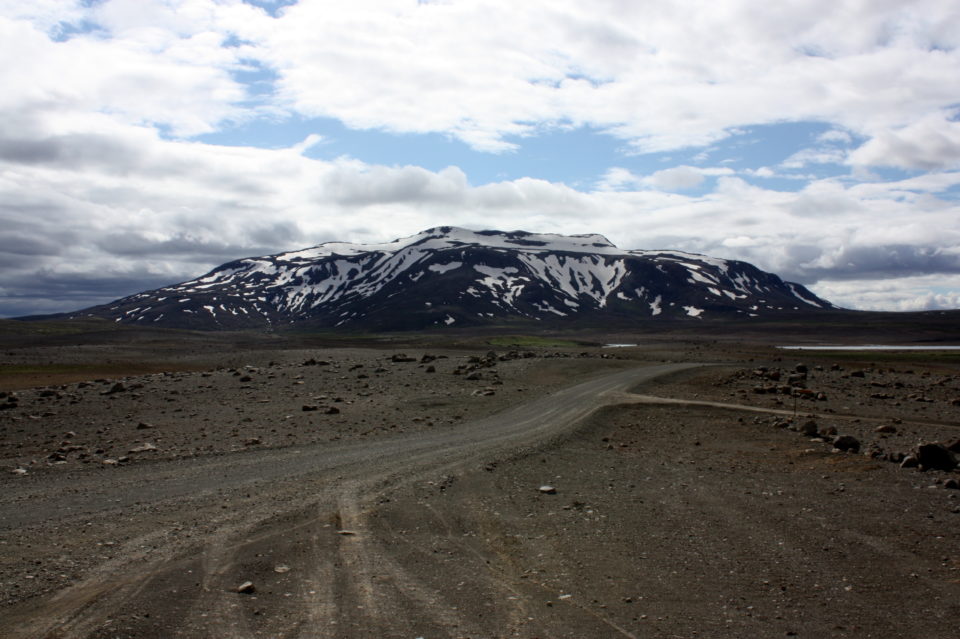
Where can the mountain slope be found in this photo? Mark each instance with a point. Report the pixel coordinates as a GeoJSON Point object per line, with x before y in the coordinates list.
{"type": "Point", "coordinates": [452, 276]}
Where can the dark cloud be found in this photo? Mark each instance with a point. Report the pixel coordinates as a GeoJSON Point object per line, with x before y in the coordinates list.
{"type": "Point", "coordinates": [269, 238]}
{"type": "Point", "coordinates": [45, 291]}
{"type": "Point", "coordinates": [19, 244]}
{"type": "Point", "coordinates": [73, 150]}
{"type": "Point", "coordinates": [871, 263]}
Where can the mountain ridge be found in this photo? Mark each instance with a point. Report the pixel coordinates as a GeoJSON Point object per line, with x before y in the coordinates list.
{"type": "Point", "coordinates": [447, 276]}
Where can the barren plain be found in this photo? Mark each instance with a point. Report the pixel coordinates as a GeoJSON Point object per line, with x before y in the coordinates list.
{"type": "Point", "coordinates": [163, 484]}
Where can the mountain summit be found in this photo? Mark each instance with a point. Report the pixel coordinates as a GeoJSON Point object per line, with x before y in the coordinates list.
{"type": "Point", "coordinates": [448, 276]}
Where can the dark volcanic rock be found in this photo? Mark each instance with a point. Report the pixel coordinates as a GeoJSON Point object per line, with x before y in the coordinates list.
{"type": "Point", "coordinates": [847, 443]}
{"type": "Point", "coordinates": [935, 457]}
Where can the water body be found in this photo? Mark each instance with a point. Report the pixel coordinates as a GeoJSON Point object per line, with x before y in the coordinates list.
{"type": "Point", "coordinates": [870, 347]}
{"type": "Point", "coordinates": [618, 345]}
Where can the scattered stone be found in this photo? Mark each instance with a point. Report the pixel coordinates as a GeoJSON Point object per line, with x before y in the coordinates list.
{"type": "Point", "coordinates": [332, 410]}
{"type": "Point", "coordinates": [19, 471]}
{"type": "Point", "coordinates": [116, 388]}
{"type": "Point", "coordinates": [144, 426]}
{"type": "Point", "coordinates": [809, 428]}
{"type": "Point", "coordinates": [246, 588]}
{"type": "Point", "coordinates": [952, 483]}
{"type": "Point", "coordinates": [548, 490]}
{"type": "Point", "coordinates": [346, 533]}
{"type": "Point", "coordinates": [910, 461]}
{"type": "Point", "coordinates": [252, 441]}
{"type": "Point", "coordinates": [847, 443]}
{"type": "Point", "coordinates": [475, 375]}
{"type": "Point", "coordinates": [828, 432]}
{"type": "Point", "coordinates": [401, 357]}
{"type": "Point", "coordinates": [935, 456]}
{"type": "Point", "coordinates": [310, 407]}
{"type": "Point", "coordinates": [885, 428]}
{"type": "Point", "coordinates": [246, 378]}
{"type": "Point", "coordinates": [145, 447]}
{"type": "Point", "coordinates": [282, 568]}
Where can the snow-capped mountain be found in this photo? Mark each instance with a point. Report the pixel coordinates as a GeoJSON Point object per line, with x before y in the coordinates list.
{"type": "Point", "coordinates": [449, 276]}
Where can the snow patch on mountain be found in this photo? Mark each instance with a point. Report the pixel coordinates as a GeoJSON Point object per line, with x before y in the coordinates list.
{"type": "Point", "coordinates": [487, 274]}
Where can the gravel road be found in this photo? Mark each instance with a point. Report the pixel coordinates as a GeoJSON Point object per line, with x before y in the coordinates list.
{"type": "Point", "coordinates": [187, 524]}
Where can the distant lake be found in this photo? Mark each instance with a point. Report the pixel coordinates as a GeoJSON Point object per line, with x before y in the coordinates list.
{"type": "Point", "coordinates": [870, 347]}
{"type": "Point", "coordinates": [618, 345]}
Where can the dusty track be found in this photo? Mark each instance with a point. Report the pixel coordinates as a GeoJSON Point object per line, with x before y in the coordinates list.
{"type": "Point", "coordinates": [308, 506]}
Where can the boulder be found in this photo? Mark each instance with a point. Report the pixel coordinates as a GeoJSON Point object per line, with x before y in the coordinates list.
{"type": "Point", "coordinates": [847, 443]}
{"type": "Point", "coordinates": [809, 428]}
{"type": "Point", "coordinates": [828, 432]}
{"type": "Point", "coordinates": [910, 461]}
{"type": "Point", "coordinates": [935, 456]}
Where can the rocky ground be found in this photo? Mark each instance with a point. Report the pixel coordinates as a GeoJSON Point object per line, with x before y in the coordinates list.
{"type": "Point", "coordinates": [284, 398]}
{"type": "Point", "coordinates": [907, 414]}
{"type": "Point", "coordinates": [683, 519]}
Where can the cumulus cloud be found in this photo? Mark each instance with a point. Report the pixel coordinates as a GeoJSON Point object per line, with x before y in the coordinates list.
{"type": "Point", "coordinates": [104, 190]}
{"type": "Point", "coordinates": [118, 219]}
{"type": "Point", "coordinates": [645, 73]}
{"type": "Point", "coordinates": [921, 293]}
{"type": "Point", "coordinates": [677, 178]}
{"type": "Point", "coordinates": [930, 143]}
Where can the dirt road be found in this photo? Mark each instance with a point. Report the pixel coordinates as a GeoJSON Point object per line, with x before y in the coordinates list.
{"type": "Point", "coordinates": [291, 519]}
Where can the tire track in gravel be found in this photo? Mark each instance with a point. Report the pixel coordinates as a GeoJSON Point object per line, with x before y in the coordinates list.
{"type": "Point", "coordinates": [361, 470]}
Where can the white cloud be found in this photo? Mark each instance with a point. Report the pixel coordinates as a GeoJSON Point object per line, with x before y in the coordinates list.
{"type": "Point", "coordinates": [94, 194]}
{"type": "Point", "coordinates": [930, 143]}
{"type": "Point", "coordinates": [921, 293]}
{"type": "Point", "coordinates": [835, 136]}
{"type": "Point", "coordinates": [150, 211]}
{"type": "Point", "coordinates": [646, 73]}
{"type": "Point", "coordinates": [806, 157]}
{"type": "Point", "coordinates": [673, 179]}
{"type": "Point", "coordinates": [617, 178]}
{"type": "Point", "coordinates": [680, 178]}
